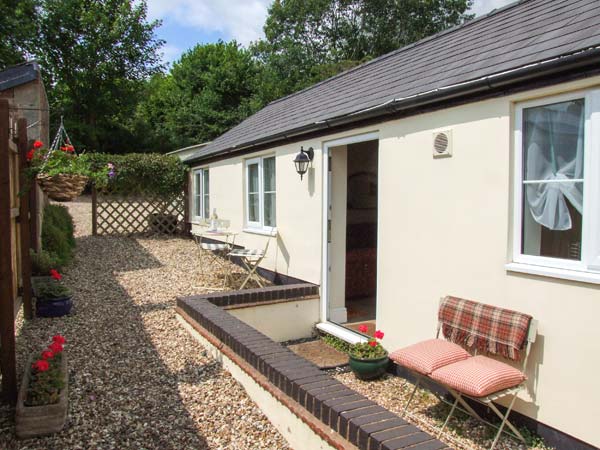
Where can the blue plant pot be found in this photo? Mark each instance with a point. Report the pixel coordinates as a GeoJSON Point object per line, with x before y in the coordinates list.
{"type": "Point", "coordinates": [54, 307]}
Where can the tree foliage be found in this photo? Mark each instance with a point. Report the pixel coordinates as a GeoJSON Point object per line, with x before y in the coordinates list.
{"type": "Point", "coordinates": [96, 57]}
{"type": "Point", "coordinates": [17, 30]}
{"type": "Point", "coordinates": [209, 90]}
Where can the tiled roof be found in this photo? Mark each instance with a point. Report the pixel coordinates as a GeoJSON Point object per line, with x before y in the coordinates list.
{"type": "Point", "coordinates": [17, 75]}
{"type": "Point", "coordinates": [519, 35]}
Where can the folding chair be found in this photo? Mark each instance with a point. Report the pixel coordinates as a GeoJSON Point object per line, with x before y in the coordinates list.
{"type": "Point", "coordinates": [217, 251]}
{"type": "Point", "coordinates": [501, 318]}
{"type": "Point", "coordinates": [251, 259]}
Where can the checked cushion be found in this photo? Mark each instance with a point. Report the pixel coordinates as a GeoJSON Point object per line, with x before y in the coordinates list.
{"type": "Point", "coordinates": [478, 376]}
{"type": "Point", "coordinates": [427, 356]}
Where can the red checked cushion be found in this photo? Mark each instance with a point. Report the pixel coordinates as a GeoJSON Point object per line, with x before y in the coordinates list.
{"type": "Point", "coordinates": [478, 376]}
{"type": "Point", "coordinates": [427, 356]}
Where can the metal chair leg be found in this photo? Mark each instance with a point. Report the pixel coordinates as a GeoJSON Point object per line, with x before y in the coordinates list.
{"type": "Point", "coordinates": [505, 421]}
{"type": "Point", "coordinates": [411, 396]}
{"type": "Point", "coordinates": [449, 415]}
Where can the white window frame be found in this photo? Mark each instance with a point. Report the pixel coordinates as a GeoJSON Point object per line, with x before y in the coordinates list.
{"type": "Point", "coordinates": [260, 225]}
{"type": "Point", "coordinates": [203, 171]}
{"type": "Point", "coordinates": [588, 267]}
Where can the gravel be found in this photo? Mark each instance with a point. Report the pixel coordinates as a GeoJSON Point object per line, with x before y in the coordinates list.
{"type": "Point", "coordinates": [138, 379]}
{"type": "Point", "coordinates": [428, 413]}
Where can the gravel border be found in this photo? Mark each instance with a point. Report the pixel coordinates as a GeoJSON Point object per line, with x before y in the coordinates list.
{"type": "Point", "coordinates": [138, 379]}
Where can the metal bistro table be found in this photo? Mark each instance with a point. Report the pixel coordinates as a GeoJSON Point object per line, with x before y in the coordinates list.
{"type": "Point", "coordinates": [218, 251]}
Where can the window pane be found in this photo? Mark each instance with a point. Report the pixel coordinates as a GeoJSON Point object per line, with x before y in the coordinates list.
{"type": "Point", "coordinates": [197, 211]}
{"type": "Point", "coordinates": [253, 178]}
{"type": "Point", "coordinates": [553, 138]}
{"type": "Point", "coordinates": [269, 174]}
{"type": "Point", "coordinates": [206, 207]}
{"type": "Point", "coordinates": [197, 183]}
{"type": "Point", "coordinates": [270, 210]}
{"type": "Point", "coordinates": [253, 209]}
{"type": "Point", "coordinates": [206, 182]}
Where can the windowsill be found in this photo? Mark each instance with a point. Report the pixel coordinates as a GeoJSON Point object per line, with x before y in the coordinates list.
{"type": "Point", "coordinates": [342, 333]}
{"type": "Point", "coordinates": [552, 272]}
{"type": "Point", "coordinates": [262, 231]}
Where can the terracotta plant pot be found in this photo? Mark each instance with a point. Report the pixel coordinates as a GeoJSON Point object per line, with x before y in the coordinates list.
{"type": "Point", "coordinates": [368, 369]}
{"type": "Point", "coordinates": [34, 421]}
{"type": "Point", "coordinates": [62, 187]}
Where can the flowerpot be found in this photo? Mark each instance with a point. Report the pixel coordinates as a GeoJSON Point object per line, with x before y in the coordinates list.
{"type": "Point", "coordinates": [34, 421]}
{"type": "Point", "coordinates": [62, 187]}
{"type": "Point", "coordinates": [368, 369]}
{"type": "Point", "coordinates": [53, 307]}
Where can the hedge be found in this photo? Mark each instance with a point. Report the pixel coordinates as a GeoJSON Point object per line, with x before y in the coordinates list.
{"type": "Point", "coordinates": [140, 173]}
{"type": "Point", "coordinates": [58, 240]}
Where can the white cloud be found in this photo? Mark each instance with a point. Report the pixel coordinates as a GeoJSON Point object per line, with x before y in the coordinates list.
{"type": "Point", "coordinates": [170, 53]}
{"type": "Point", "coordinates": [485, 6]}
{"type": "Point", "coordinates": [241, 20]}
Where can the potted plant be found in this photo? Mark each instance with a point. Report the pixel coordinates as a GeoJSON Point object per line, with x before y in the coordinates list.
{"type": "Point", "coordinates": [53, 299]}
{"type": "Point", "coordinates": [42, 400]}
{"type": "Point", "coordinates": [368, 360]}
{"type": "Point", "coordinates": [61, 173]}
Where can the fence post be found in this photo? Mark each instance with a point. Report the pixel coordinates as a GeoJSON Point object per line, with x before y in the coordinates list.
{"type": "Point", "coordinates": [26, 218]}
{"type": "Point", "coordinates": [94, 210]}
{"type": "Point", "coordinates": [7, 290]}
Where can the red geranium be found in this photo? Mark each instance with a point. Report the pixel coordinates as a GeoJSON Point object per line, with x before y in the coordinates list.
{"type": "Point", "coordinates": [59, 339]}
{"type": "Point", "coordinates": [47, 354]}
{"type": "Point", "coordinates": [30, 154]}
{"type": "Point", "coordinates": [362, 328]}
{"type": "Point", "coordinates": [378, 334]}
{"type": "Point", "coordinates": [372, 343]}
{"type": "Point", "coordinates": [56, 347]}
{"type": "Point", "coordinates": [38, 144]}
{"type": "Point", "coordinates": [40, 365]}
{"type": "Point", "coordinates": [54, 274]}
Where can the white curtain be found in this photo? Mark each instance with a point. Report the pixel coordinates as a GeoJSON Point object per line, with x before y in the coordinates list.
{"type": "Point", "coordinates": [553, 137]}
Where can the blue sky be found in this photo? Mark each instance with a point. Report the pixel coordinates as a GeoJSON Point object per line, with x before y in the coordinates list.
{"type": "Point", "coordinates": [189, 22]}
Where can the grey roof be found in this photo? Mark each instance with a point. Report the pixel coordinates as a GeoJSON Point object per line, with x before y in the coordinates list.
{"type": "Point", "coordinates": [18, 75]}
{"type": "Point", "coordinates": [516, 36]}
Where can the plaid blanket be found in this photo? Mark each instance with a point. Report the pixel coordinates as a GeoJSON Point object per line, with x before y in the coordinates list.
{"type": "Point", "coordinates": [485, 327]}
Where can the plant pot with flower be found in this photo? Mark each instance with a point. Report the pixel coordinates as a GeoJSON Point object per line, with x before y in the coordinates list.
{"type": "Point", "coordinates": [60, 172]}
{"type": "Point", "coordinates": [368, 360]}
{"type": "Point", "coordinates": [42, 403]}
{"type": "Point", "coordinates": [53, 299]}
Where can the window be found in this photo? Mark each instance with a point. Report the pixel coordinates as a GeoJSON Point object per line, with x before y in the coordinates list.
{"type": "Point", "coordinates": [260, 192]}
{"type": "Point", "coordinates": [201, 194]}
{"type": "Point", "coordinates": [557, 195]}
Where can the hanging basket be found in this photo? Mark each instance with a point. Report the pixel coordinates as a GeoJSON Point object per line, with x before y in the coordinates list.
{"type": "Point", "coordinates": [62, 187]}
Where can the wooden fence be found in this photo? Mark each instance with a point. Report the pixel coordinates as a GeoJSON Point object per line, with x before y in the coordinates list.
{"type": "Point", "coordinates": [114, 214]}
{"type": "Point", "coordinates": [16, 217]}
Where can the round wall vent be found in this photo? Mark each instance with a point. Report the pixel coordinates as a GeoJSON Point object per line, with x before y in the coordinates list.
{"type": "Point", "coordinates": [440, 143]}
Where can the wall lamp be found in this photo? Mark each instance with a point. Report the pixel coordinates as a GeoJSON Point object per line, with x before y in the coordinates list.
{"type": "Point", "coordinates": [303, 159]}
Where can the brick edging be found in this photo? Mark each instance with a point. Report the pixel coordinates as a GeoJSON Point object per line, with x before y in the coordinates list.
{"type": "Point", "coordinates": [335, 412]}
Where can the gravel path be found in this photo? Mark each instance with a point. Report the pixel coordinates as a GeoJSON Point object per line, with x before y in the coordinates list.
{"type": "Point", "coordinates": [138, 380]}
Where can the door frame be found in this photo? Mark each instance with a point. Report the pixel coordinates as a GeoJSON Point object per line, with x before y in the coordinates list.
{"type": "Point", "coordinates": [325, 324]}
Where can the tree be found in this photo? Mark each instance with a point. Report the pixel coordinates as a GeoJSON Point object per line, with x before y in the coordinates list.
{"type": "Point", "coordinates": [17, 29]}
{"type": "Point", "coordinates": [309, 40]}
{"type": "Point", "coordinates": [96, 57]}
{"type": "Point", "coordinates": [209, 90]}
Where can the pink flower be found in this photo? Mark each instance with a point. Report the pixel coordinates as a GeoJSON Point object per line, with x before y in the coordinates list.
{"type": "Point", "coordinates": [372, 343]}
{"type": "Point", "coordinates": [30, 154]}
{"type": "Point", "coordinates": [47, 354]}
{"type": "Point", "coordinates": [56, 347]}
{"type": "Point", "coordinates": [54, 274]}
{"type": "Point", "coordinates": [59, 339]}
{"type": "Point", "coordinates": [378, 334]}
{"type": "Point", "coordinates": [38, 144]}
{"type": "Point", "coordinates": [362, 328]}
{"type": "Point", "coordinates": [40, 365]}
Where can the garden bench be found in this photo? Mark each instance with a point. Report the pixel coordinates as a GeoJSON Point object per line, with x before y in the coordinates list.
{"type": "Point", "coordinates": [483, 330]}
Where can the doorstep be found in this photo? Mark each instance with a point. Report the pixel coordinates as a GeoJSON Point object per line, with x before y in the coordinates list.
{"type": "Point", "coordinates": [338, 415]}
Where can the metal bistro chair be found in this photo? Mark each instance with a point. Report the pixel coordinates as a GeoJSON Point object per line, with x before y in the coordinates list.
{"type": "Point", "coordinates": [217, 251]}
{"type": "Point", "coordinates": [251, 259]}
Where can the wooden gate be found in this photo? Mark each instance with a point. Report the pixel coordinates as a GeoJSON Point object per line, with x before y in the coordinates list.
{"type": "Point", "coordinates": [15, 243]}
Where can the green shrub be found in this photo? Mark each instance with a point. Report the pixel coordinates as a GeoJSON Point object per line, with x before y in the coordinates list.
{"type": "Point", "coordinates": [42, 262]}
{"type": "Point", "coordinates": [58, 239]}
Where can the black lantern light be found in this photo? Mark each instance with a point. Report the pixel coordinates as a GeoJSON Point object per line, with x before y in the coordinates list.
{"type": "Point", "coordinates": [303, 159]}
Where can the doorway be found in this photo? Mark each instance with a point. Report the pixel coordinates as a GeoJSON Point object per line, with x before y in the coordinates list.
{"type": "Point", "coordinates": [352, 241]}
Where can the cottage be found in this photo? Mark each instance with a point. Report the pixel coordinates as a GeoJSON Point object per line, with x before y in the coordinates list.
{"type": "Point", "coordinates": [468, 164]}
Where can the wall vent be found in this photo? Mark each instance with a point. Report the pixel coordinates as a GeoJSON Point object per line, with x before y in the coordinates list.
{"type": "Point", "coordinates": [442, 144]}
